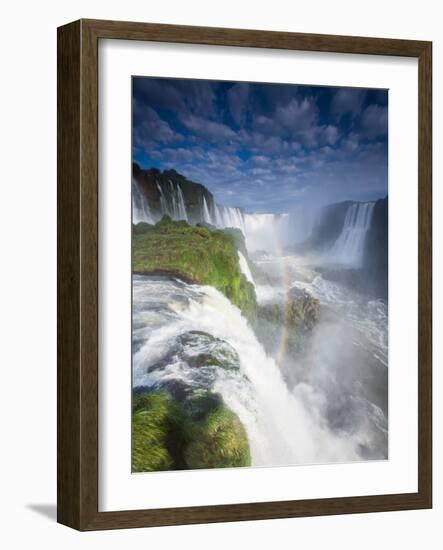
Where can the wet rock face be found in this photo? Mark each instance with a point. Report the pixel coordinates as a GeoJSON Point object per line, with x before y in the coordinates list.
{"type": "Point", "coordinates": [376, 251]}
{"type": "Point", "coordinates": [179, 420]}
{"type": "Point", "coordinates": [298, 316]}
{"type": "Point", "coordinates": [171, 435]}
{"type": "Point", "coordinates": [302, 310]}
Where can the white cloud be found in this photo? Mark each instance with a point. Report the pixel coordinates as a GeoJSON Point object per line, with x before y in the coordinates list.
{"type": "Point", "coordinates": [207, 128]}
{"type": "Point", "coordinates": [374, 121]}
{"type": "Point", "coordinates": [348, 100]}
{"type": "Point", "coordinates": [238, 97]}
{"type": "Point", "coordinates": [153, 129]}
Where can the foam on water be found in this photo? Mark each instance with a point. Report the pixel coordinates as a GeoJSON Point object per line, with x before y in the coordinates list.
{"type": "Point", "coordinates": [280, 428]}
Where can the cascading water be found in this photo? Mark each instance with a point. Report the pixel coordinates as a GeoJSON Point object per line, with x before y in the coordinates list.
{"type": "Point", "coordinates": [245, 269]}
{"type": "Point", "coordinates": [313, 408]}
{"type": "Point", "coordinates": [348, 249]}
{"type": "Point", "coordinates": [163, 201]}
{"type": "Point", "coordinates": [180, 207]}
{"type": "Point", "coordinates": [205, 212]}
{"type": "Point", "coordinates": [262, 231]}
{"type": "Point", "coordinates": [140, 207]}
{"type": "Point", "coordinates": [172, 202]}
{"type": "Point", "coordinates": [280, 428]}
{"type": "Point", "coordinates": [224, 216]}
{"type": "Point", "coordinates": [218, 218]}
{"type": "Point", "coordinates": [230, 217]}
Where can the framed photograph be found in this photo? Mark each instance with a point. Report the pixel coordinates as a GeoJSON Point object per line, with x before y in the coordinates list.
{"type": "Point", "coordinates": [244, 275]}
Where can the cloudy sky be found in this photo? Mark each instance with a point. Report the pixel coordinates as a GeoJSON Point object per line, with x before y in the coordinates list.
{"type": "Point", "coordinates": [264, 147]}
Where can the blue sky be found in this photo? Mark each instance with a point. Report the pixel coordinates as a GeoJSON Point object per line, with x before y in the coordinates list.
{"type": "Point", "coordinates": [265, 147]}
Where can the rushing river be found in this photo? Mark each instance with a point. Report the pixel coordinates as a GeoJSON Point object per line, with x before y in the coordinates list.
{"type": "Point", "coordinates": [327, 403]}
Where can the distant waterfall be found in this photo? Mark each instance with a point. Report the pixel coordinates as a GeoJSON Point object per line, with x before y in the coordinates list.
{"type": "Point", "coordinates": [224, 216]}
{"type": "Point", "coordinates": [348, 249]}
{"type": "Point", "coordinates": [228, 216]}
{"type": "Point", "coordinates": [140, 207]}
{"type": "Point", "coordinates": [205, 212]}
{"type": "Point", "coordinates": [234, 218]}
{"type": "Point", "coordinates": [178, 202]}
{"type": "Point", "coordinates": [172, 203]}
{"type": "Point", "coordinates": [281, 428]}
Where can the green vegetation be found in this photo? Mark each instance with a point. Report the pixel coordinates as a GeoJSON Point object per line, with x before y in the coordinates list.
{"type": "Point", "coordinates": [200, 433]}
{"type": "Point", "coordinates": [184, 428]}
{"type": "Point", "coordinates": [196, 254]}
{"type": "Point", "coordinates": [238, 238]}
{"type": "Point", "coordinates": [156, 422]}
{"type": "Point", "coordinates": [221, 442]}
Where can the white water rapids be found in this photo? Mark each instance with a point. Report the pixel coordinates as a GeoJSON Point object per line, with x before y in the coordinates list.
{"type": "Point", "coordinates": [280, 428]}
{"type": "Point", "coordinates": [327, 403]}
{"type": "Point", "coordinates": [284, 426]}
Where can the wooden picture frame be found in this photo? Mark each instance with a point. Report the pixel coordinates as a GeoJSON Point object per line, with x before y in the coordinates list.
{"type": "Point", "coordinates": [78, 274]}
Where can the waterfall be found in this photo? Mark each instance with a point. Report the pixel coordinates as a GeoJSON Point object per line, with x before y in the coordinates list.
{"type": "Point", "coordinates": [224, 216]}
{"type": "Point", "coordinates": [348, 249]}
{"type": "Point", "coordinates": [172, 203]}
{"type": "Point", "coordinates": [217, 216]}
{"type": "Point", "coordinates": [163, 202]}
{"type": "Point", "coordinates": [205, 212]}
{"type": "Point", "coordinates": [140, 207]}
{"type": "Point", "coordinates": [180, 207]}
{"type": "Point", "coordinates": [244, 267]}
{"type": "Point", "coordinates": [231, 217]}
{"type": "Point", "coordinates": [281, 429]}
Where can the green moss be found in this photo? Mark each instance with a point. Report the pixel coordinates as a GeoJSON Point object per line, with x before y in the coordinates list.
{"type": "Point", "coordinates": [200, 433]}
{"type": "Point", "coordinates": [239, 239]}
{"type": "Point", "coordinates": [155, 419]}
{"type": "Point", "coordinates": [220, 442]}
{"type": "Point", "coordinates": [197, 254]}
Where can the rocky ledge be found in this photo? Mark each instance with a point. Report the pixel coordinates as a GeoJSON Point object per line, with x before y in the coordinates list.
{"type": "Point", "coordinates": [196, 254]}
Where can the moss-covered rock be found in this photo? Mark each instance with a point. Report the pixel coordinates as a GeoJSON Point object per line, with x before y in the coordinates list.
{"type": "Point", "coordinates": [238, 238]}
{"type": "Point", "coordinates": [196, 254]}
{"type": "Point", "coordinates": [220, 442]}
{"type": "Point", "coordinates": [200, 349]}
{"type": "Point", "coordinates": [157, 432]}
{"type": "Point", "coordinates": [199, 432]}
{"type": "Point", "coordinates": [296, 317]}
{"type": "Point", "coordinates": [198, 358]}
{"type": "Point", "coordinates": [302, 311]}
